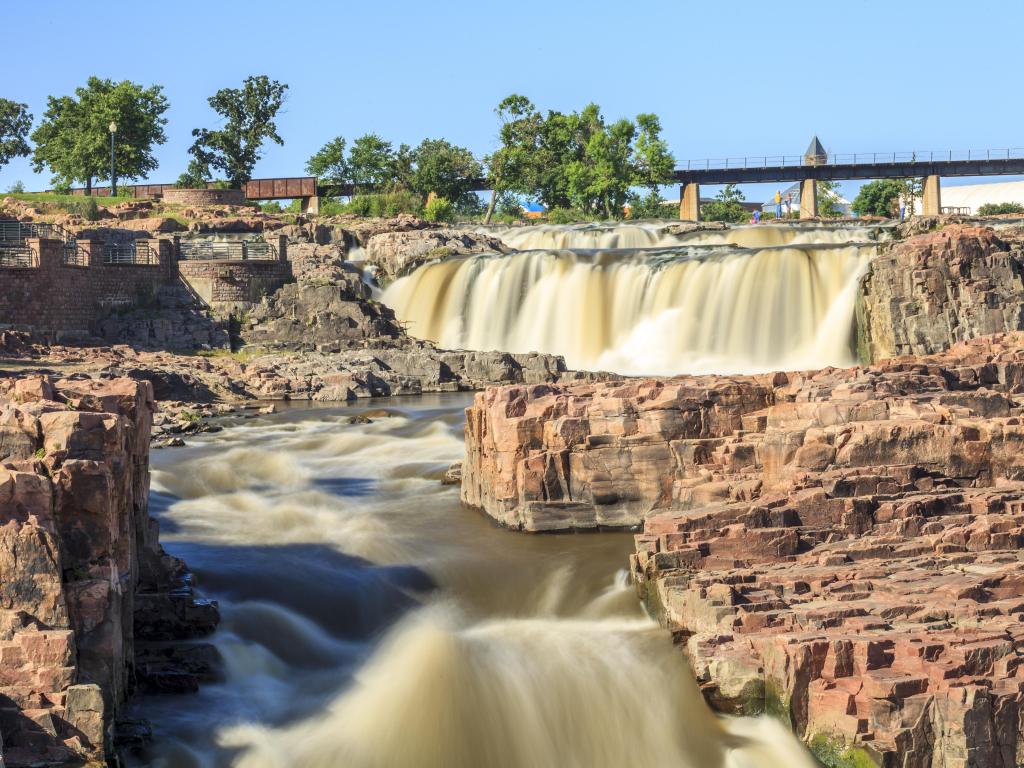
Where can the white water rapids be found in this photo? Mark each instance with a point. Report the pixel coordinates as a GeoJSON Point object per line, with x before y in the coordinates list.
{"type": "Point", "coordinates": [640, 299]}
{"type": "Point", "coordinates": [371, 621]}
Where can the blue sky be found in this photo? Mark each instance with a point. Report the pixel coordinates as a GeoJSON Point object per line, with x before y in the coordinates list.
{"type": "Point", "coordinates": [727, 78]}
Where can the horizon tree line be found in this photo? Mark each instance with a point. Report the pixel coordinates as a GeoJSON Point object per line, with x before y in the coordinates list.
{"type": "Point", "coordinates": [574, 160]}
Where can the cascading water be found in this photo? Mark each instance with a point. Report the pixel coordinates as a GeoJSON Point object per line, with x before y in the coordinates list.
{"type": "Point", "coordinates": [647, 300]}
{"type": "Point", "coordinates": [371, 621]}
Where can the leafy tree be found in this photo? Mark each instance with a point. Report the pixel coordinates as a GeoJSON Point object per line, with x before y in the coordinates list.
{"type": "Point", "coordinates": [512, 169]}
{"type": "Point", "coordinates": [994, 209]}
{"type": "Point", "coordinates": [726, 206]}
{"type": "Point", "coordinates": [880, 198]}
{"type": "Point", "coordinates": [371, 162]}
{"type": "Point", "coordinates": [249, 114]}
{"type": "Point", "coordinates": [73, 140]}
{"type": "Point", "coordinates": [576, 161]}
{"type": "Point", "coordinates": [828, 200]}
{"type": "Point", "coordinates": [329, 163]}
{"type": "Point", "coordinates": [653, 164]}
{"type": "Point", "coordinates": [649, 206]}
{"type": "Point", "coordinates": [445, 169]}
{"type": "Point", "coordinates": [439, 209]}
{"type": "Point", "coordinates": [195, 175]}
{"type": "Point", "coordinates": [15, 122]}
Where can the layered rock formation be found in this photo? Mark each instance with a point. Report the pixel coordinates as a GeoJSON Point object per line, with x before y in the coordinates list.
{"type": "Point", "coordinates": [842, 548]}
{"type": "Point", "coordinates": [923, 294]}
{"type": "Point", "coordinates": [79, 558]}
{"type": "Point", "coordinates": [398, 253]}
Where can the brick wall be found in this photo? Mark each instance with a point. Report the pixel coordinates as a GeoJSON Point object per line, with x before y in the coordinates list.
{"type": "Point", "coordinates": [53, 298]}
{"type": "Point", "coordinates": [204, 196]}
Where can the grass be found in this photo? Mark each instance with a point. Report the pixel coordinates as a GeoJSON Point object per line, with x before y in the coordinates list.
{"type": "Point", "coordinates": [58, 199]}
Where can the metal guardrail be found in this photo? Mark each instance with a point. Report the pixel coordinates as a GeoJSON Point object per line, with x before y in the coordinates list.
{"type": "Point", "coordinates": [18, 232]}
{"type": "Point", "coordinates": [859, 158]}
{"type": "Point", "coordinates": [74, 256]}
{"type": "Point", "coordinates": [960, 210]}
{"type": "Point", "coordinates": [19, 256]}
{"type": "Point", "coordinates": [227, 250]}
{"type": "Point", "coordinates": [137, 254]}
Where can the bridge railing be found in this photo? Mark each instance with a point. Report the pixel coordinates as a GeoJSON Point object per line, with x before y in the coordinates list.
{"type": "Point", "coordinates": [857, 158]}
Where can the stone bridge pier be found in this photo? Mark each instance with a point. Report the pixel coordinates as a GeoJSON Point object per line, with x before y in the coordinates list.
{"type": "Point", "coordinates": [689, 202]}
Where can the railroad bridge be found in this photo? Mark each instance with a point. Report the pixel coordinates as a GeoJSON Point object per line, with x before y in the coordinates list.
{"type": "Point", "coordinates": [817, 165]}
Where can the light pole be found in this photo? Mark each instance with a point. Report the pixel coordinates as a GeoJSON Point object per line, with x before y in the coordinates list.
{"type": "Point", "coordinates": [113, 173]}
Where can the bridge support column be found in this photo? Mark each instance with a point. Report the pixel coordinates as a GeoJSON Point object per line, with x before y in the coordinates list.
{"type": "Point", "coordinates": [808, 199]}
{"type": "Point", "coordinates": [311, 205]}
{"type": "Point", "coordinates": [689, 202]}
{"type": "Point", "coordinates": [931, 201]}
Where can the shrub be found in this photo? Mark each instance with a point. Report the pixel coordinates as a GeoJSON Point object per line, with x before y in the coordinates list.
{"type": "Point", "coordinates": [17, 188]}
{"type": "Point", "coordinates": [649, 207]}
{"type": "Point", "coordinates": [385, 204]}
{"type": "Point", "coordinates": [439, 209]}
{"type": "Point", "coordinates": [566, 216]}
{"type": "Point", "coordinates": [85, 207]}
{"type": "Point", "coordinates": [729, 211]}
{"type": "Point", "coordinates": [994, 209]}
{"type": "Point", "coordinates": [270, 207]}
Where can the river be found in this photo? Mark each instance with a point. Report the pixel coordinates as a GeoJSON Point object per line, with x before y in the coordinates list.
{"type": "Point", "coordinates": [372, 621]}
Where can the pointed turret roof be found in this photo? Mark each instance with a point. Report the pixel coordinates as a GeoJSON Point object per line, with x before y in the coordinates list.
{"type": "Point", "coordinates": [815, 151]}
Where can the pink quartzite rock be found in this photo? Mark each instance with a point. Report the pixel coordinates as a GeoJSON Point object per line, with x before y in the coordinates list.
{"type": "Point", "coordinates": [844, 548]}
{"type": "Point", "coordinates": [76, 546]}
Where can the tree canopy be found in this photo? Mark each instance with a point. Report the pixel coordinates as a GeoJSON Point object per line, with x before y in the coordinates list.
{"type": "Point", "coordinates": [880, 198]}
{"type": "Point", "coordinates": [726, 206]}
{"type": "Point", "coordinates": [329, 164]}
{"type": "Point", "coordinates": [15, 122]}
{"type": "Point", "coordinates": [73, 139]}
{"type": "Point", "coordinates": [577, 160]}
{"type": "Point", "coordinates": [448, 170]}
{"type": "Point", "coordinates": [248, 114]}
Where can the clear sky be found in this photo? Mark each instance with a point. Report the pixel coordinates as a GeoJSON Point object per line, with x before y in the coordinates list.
{"type": "Point", "coordinates": [727, 78]}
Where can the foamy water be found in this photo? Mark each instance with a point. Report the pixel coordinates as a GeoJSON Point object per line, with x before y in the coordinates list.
{"type": "Point", "coordinates": [372, 621]}
{"type": "Point", "coordinates": [639, 299]}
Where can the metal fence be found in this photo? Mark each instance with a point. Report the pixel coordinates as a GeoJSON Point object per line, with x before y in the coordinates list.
{"type": "Point", "coordinates": [15, 256]}
{"type": "Point", "coordinates": [858, 158]}
{"type": "Point", "coordinates": [227, 250]}
{"type": "Point", "coordinates": [74, 256]}
{"type": "Point", "coordinates": [139, 254]}
{"type": "Point", "coordinates": [18, 232]}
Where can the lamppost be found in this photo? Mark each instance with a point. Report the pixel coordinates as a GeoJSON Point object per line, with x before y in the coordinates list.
{"type": "Point", "coordinates": [113, 174]}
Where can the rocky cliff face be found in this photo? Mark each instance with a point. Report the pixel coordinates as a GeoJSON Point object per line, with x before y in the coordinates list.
{"type": "Point", "coordinates": [842, 548]}
{"type": "Point", "coordinates": [78, 555]}
{"type": "Point", "coordinates": [925, 293]}
{"type": "Point", "coordinates": [398, 253]}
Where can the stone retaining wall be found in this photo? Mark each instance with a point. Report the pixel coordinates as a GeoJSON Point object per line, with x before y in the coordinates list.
{"type": "Point", "coordinates": [204, 196]}
{"type": "Point", "coordinates": [226, 286]}
{"type": "Point", "coordinates": [54, 299]}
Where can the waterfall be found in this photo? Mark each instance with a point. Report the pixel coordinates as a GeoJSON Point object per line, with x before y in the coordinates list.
{"type": "Point", "coordinates": [642, 299]}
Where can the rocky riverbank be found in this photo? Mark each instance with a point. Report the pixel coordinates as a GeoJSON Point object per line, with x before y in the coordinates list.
{"type": "Point", "coordinates": [88, 599]}
{"type": "Point", "coordinates": [842, 548]}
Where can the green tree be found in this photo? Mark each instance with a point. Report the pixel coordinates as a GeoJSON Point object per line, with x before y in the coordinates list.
{"type": "Point", "coordinates": [195, 175]}
{"type": "Point", "coordinates": [995, 209]}
{"type": "Point", "coordinates": [828, 200]}
{"type": "Point", "coordinates": [512, 169]}
{"type": "Point", "coordinates": [726, 206]}
{"type": "Point", "coordinates": [880, 198]}
{"type": "Point", "coordinates": [249, 114]}
{"type": "Point", "coordinates": [15, 122]}
{"type": "Point", "coordinates": [371, 162]}
{"type": "Point", "coordinates": [653, 164]}
{"type": "Point", "coordinates": [73, 139]}
{"type": "Point", "coordinates": [446, 169]}
{"type": "Point", "coordinates": [329, 163]}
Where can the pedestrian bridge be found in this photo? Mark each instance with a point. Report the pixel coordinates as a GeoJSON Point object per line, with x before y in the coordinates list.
{"type": "Point", "coordinates": [817, 165]}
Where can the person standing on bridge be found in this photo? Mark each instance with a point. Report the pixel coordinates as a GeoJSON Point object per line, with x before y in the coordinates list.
{"type": "Point", "coordinates": [778, 204]}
